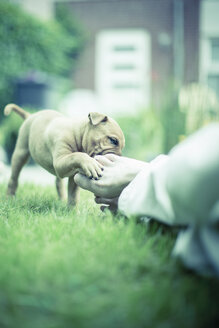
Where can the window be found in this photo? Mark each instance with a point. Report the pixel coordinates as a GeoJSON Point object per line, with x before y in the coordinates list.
{"type": "Point", "coordinates": [213, 82]}
{"type": "Point", "coordinates": [209, 44]}
{"type": "Point", "coordinates": [123, 70]}
{"type": "Point", "coordinates": [215, 49]}
{"type": "Point", "coordinates": [124, 48]}
{"type": "Point", "coordinates": [124, 66]}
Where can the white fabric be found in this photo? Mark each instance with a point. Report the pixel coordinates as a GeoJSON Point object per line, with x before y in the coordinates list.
{"type": "Point", "coordinates": [183, 189]}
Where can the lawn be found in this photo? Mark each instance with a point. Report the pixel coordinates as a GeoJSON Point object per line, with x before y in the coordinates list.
{"type": "Point", "coordinates": [83, 268]}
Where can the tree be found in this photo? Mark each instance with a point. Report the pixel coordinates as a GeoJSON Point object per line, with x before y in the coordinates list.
{"type": "Point", "coordinates": [27, 44]}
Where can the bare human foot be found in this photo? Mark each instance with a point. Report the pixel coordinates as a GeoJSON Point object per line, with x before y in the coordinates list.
{"type": "Point", "coordinates": [118, 173]}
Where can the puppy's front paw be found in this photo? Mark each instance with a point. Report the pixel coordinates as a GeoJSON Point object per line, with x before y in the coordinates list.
{"type": "Point", "coordinates": [92, 169]}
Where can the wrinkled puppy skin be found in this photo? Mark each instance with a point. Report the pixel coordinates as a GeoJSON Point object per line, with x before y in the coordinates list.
{"type": "Point", "coordinates": [63, 146]}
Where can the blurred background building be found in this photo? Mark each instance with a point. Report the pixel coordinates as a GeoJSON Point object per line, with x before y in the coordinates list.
{"type": "Point", "coordinates": [135, 48]}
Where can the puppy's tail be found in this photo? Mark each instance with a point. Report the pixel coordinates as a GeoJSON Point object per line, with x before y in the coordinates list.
{"type": "Point", "coordinates": [12, 107]}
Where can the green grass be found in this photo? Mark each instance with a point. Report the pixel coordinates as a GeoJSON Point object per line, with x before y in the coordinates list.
{"type": "Point", "coordinates": [84, 268]}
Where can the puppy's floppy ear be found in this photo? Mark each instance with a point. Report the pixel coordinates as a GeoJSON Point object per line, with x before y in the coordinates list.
{"type": "Point", "coordinates": [96, 118]}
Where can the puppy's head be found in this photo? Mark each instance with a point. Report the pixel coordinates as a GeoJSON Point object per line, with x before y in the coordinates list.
{"type": "Point", "coordinates": [103, 136]}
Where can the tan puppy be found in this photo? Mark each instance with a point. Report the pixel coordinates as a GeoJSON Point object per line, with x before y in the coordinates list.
{"type": "Point", "coordinates": [63, 146]}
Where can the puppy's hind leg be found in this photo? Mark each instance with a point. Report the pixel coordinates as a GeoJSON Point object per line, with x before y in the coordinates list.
{"type": "Point", "coordinates": [19, 158]}
{"type": "Point", "coordinates": [73, 192]}
{"type": "Point", "coordinates": [60, 187]}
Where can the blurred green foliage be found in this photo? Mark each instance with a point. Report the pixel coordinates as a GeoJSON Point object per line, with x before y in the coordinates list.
{"type": "Point", "coordinates": [27, 43]}
{"type": "Point", "coordinates": [157, 130]}
{"type": "Point", "coordinates": [171, 118]}
{"type": "Point", "coordinates": [184, 110]}
{"type": "Point", "coordinates": [153, 131]}
{"type": "Point", "coordinates": [143, 134]}
{"type": "Point", "coordinates": [9, 132]}
{"type": "Point", "coordinates": [73, 28]}
{"type": "Point", "coordinates": [200, 106]}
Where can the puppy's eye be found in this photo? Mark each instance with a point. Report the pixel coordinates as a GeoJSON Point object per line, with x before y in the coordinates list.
{"type": "Point", "coordinates": [113, 141]}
